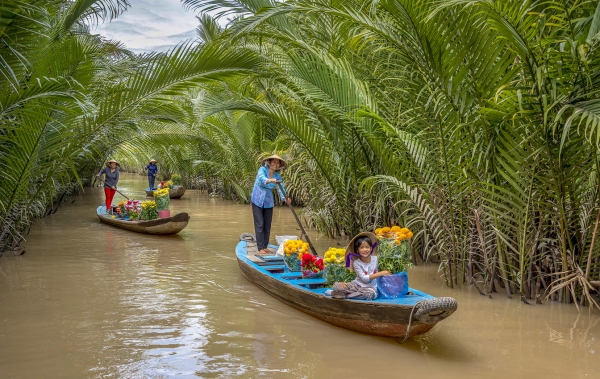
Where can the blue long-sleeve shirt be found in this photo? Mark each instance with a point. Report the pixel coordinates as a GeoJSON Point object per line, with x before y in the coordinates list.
{"type": "Point", "coordinates": [152, 169]}
{"type": "Point", "coordinates": [262, 193]}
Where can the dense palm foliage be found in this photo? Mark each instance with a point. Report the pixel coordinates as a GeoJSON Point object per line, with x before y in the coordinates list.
{"type": "Point", "coordinates": [476, 123]}
{"type": "Point", "coordinates": [473, 122]}
{"type": "Point", "coordinates": [68, 98]}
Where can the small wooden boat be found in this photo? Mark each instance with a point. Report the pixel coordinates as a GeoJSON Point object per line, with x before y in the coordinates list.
{"type": "Point", "coordinates": [416, 313]}
{"type": "Point", "coordinates": [174, 193]}
{"type": "Point", "coordinates": [163, 226]}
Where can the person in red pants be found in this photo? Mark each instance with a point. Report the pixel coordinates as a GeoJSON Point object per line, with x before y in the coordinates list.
{"type": "Point", "coordinates": [111, 178]}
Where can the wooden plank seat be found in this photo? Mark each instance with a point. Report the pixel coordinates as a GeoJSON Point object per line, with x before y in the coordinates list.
{"type": "Point", "coordinates": [289, 275]}
{"type": "Point", "coordinates": [272, 258]}
{"type": "Point", "coordinates": [273, 267]}
{"type": "Point", "coordinates": [308, 281]}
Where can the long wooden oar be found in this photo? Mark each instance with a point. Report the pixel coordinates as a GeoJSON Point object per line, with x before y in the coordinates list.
{"type": "Point", "coordinates": [120, 193]}
{"type": "Point", "coordinates": [312, 248]}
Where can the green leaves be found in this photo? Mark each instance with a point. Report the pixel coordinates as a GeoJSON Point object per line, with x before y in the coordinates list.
{"type": "Point", "coordinates": [472, 121]}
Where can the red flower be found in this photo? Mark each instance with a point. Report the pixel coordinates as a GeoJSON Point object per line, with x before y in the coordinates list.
{"type": "Point", "coordinates": [307, 258]}
{"type": "Point", "coordinates": [315, 270]}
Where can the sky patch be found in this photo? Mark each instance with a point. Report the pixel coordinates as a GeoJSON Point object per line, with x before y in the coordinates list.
{"type": "Point", "coordinates": [151, 25]}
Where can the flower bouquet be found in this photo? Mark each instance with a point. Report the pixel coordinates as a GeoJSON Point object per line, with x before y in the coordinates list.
{"type": "Point", "coordinates": [311, 266]}
{"type": "Point", "coordinates": [292, 249]}
{"type": "Point", "coordinates": [176, 179]}
{"type": "Point", "coordinates": [393, 255]}
{"type": "Point", "coordinates": [335, 267]}
{"type": "Point", "coordinates": [163, 202]}
{"type": "Point", "coordinates": [133, 208]}
{"type": "Point", "coordinates": [121, 207]}
{"type": "Point", "coordinates": [149, 211]}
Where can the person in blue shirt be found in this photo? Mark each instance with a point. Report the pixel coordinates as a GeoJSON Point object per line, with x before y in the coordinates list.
{"type": "Point", "coordinates": [263, 201]}
{"type": "Point", "coordinates": [152, 172]}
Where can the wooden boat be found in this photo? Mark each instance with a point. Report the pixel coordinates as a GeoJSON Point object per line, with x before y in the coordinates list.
{"type": "Point", "coordinates": [174, 193]}
{"type": "Point", "coordinates": [416, 313]}
{"type": "Point", "coordinates": [163, 226]}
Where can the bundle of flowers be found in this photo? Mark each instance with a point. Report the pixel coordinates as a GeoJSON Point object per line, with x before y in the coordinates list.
{"type": "Point", "coordinates": [335, 267]}
{"type": "Point", "coordinates": [311, 266]}
{"type": "Point", "coordinates": [176, 179]}
{"type": "Point", "coordinates": [334, 255]}
{"type": "Point", "coordinates": [133, 208]}
{"type": "Point", "coordinates": [162, 199]}
{"type": "Point", "coordinates": [393, 255]}
{"type": "Point", "coordinates": [121, 208]}
{"type": "Point", "coordinates": [396, 233]}
{"type": "Point", "coordinates": [292, 249]}
{"type": "Point", "coordinates": [149, 211]}
{"type": "Point", "coordinates": [393, 250]}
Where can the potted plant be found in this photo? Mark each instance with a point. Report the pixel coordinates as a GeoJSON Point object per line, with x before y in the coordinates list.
{"type": "Point", "coordinates": [163, 202]}
{"type": "Point", "coordinates": [176, 179]}
{"type": "Point", "coordinates": [149, 211]}
{"type": "Point", "coordinates": [133, 209]}
{"type": "Point", "coordinates": [393, 254]}
{"type": "Point", "coordinates": [335, 268]}
{"type": "Point", "coordinates": [291, 251]}
{"type": "Point", "coordinates": [311, 266]}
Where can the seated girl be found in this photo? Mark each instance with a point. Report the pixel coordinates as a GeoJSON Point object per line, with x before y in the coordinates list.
{"type": "Point", "coordinates": [361, 257]}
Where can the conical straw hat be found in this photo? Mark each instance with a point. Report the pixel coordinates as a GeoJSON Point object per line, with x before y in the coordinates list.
{"type": "Point", "coordinates": [275, 156]}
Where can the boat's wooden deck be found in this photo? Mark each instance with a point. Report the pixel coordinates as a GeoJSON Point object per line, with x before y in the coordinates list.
{"type": "Point", "coordinates": [273, 266]}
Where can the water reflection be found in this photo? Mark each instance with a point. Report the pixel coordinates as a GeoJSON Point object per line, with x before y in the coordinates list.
{"type": "Point", "coordinates": [90, 300]}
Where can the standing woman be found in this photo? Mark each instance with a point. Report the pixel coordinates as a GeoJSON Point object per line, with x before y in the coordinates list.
{"type": "Point", "coordinates": [152, 172]}
{"type": "Point", "coordinates": [111, 178]}
{"type": "Point", "coordinates": [263, 201]}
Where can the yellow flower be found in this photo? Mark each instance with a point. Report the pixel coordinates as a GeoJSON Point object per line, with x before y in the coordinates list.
{"type": "Point", "coordinates": [378, 231]}
{"type": "Point", "coordinates": [405, 230]}
{"type": "Point", "coordinates": [385, 230]}
{"type": "Point", "coordinates": [409, 235]}
{"type": "Point", "coordinates": [396, 228]}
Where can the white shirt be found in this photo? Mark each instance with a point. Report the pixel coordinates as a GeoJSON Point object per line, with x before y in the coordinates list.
{"type": "Point", "coordinates": [363, 270]}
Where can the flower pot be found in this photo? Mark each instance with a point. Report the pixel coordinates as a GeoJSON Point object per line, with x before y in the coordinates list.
{"type": "Point", "coordinates": [164, 214]}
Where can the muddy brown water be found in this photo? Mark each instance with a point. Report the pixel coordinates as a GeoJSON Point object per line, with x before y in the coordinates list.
{"type": "Point", "coordinates": [89, 300]}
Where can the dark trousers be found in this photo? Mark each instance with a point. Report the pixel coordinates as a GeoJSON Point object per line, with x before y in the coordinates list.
{"type": "Point", "coordinates": [151, 179]}
{"type": "Point", "coordinates": [262, 225]}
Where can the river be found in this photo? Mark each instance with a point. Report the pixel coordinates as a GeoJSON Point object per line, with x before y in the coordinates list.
{"type": "Point", "coordinates": [89, 300]}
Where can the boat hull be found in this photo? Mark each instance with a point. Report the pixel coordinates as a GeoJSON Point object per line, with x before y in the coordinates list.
{"type": "Point", "coordinates": [174, 193]}
{"type": "Point", "coordinates": [376, 318]}
{"type": "Point", "coordinates": [165, 226]}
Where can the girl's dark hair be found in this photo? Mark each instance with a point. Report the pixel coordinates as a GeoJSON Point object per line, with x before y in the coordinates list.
{"type": "Point", "coordinates": [359, 241]}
